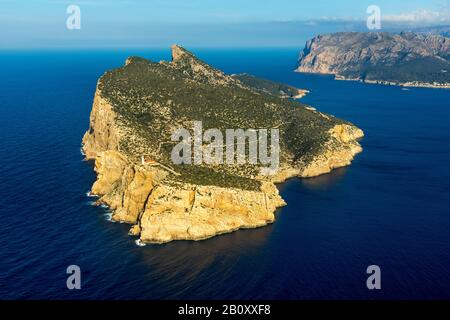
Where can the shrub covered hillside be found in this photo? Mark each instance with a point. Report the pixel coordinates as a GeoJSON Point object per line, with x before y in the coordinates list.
{"type": "Point", "coordinates": [151, 100]}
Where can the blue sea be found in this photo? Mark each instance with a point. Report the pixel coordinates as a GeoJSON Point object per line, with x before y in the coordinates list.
{"type": "Point", "coordinates": [389, 208]}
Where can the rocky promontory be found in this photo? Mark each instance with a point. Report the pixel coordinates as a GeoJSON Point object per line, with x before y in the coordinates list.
{"type": "Point", "coordinates": [136, 109]}
{"type": "Point", "coordinates": [407, 59]}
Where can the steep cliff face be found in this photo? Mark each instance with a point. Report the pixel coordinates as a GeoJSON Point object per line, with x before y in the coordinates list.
{"type": "Point", "coordinates": [406, 58]}
{"type": "Point", "coordinates": [138, 106]}
{"type": "Point", "coordinates": [345, 137]}
{"type": "Point", "coordinates": [103, 133]}
{"type": "Point", "coordinates": [162, 210]}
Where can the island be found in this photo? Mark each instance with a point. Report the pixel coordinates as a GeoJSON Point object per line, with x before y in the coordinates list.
{"type": "Point", "coordinates": [406, 59]}
{"type": "Point", "coordinates": [139, 106]}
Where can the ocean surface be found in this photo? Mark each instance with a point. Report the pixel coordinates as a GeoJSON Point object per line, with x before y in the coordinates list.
{"type": "Point", "coordinates": [389, 208]}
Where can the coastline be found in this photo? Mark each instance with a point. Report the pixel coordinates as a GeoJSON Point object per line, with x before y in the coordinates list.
{"type": "Point", "coordinates": [301, 93]}
{"type": "Point", "coordinates": [387, 58]}
{"type": "Point", "coordinates": [411, 84]}
{"type": "Point", "coordinates": [160, 211]}
{"type": "Point", "coordinates": [161, 207]}
{"type": "Point", "coordinates": [156, 213]}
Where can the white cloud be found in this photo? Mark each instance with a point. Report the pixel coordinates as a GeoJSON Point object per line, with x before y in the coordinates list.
{"type": "Point", "coordinates": [420, 16]}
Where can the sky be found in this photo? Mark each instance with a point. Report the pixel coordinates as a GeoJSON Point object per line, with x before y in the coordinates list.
{"type": "Point", "coordinates": [215, 23]}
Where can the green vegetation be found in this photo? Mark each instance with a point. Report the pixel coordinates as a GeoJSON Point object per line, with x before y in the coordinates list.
{"type": "Point", "coordinates": [154, 99]}
{"type": "Point", "coordinates": [201, 175]}
{"type": "Point", "coordinates": [426, 69]}
{"type": "Point", "coordinates": [380, 56]}
{"type": "Point", "coordinates": [267, 86]}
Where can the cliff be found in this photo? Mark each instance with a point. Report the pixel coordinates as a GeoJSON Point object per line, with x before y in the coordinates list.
{"type": "Point", "coordinates": [407, 59]}
{"type": "Point", "coordinates": [136, 109]}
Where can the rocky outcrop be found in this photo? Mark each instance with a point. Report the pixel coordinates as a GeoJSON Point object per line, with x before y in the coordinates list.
{"type": "Point", "coordinates": [345, 137]}
{"type": "Point", "coordinates": [103, 133]}
{"type": "Point", "coordinates": [400, 59]}
{"type": "Point", "coordinates": [189, 212]}
{"type": "Point", "coordinates": [161, 211]}
{"type": "Point", "coordinates": [161, 205]}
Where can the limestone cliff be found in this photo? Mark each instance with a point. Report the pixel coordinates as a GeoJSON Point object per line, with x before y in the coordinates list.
{"type": "Point", "coordinates": [106, 135]}
{"type": "Point", "coordinates": [407, 59]}
{"type": "Point", "coordinates": [138, 106]}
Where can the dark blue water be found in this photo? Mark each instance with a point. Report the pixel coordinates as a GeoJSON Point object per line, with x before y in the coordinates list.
{"type": "Point", "coordinates": [390, 208]}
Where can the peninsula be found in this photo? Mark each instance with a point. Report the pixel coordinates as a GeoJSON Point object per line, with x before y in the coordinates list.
{"type": "Point", "coordinates": [405, 59]}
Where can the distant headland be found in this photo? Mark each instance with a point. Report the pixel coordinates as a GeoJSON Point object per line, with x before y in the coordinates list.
{"type": "Point", "coordinates": [406, 59]}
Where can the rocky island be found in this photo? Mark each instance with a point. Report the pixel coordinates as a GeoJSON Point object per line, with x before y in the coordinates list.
{"type": "Point", "coordinates": [138, 106]}
{"type": "Point", "coordinates": [406, 59]}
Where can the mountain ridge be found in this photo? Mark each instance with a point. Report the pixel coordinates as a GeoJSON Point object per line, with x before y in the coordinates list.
{"type": "Point", "coordinates": [407, 59]}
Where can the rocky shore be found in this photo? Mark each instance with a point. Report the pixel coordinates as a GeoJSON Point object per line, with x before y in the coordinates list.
{"type": "Point", "coordinates": [415, 84]}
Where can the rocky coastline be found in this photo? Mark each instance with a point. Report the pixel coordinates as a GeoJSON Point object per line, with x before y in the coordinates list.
{"type": "Point", "coordinates": [159, 206]}
{"type": "Point", "coordinates": [406, 59]}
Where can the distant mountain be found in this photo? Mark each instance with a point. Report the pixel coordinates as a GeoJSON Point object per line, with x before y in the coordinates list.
{"type": "Point", "coordinates": [409, 59]}
{"type": "Point", "coordinates": [438, 30]}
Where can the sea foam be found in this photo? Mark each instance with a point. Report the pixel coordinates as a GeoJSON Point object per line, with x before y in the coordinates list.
{"type": "Point", "coordinates": [91, 195]}
{"type": "Point", "coordinates": [139, 243]}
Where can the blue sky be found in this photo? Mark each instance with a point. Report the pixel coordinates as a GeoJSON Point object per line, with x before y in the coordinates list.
{"type": "Point", "coordinates": [140, 23]}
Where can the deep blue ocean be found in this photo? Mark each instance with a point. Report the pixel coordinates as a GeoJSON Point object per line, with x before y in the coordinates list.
{"type": "Point", "coordinates": [389, 208]}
